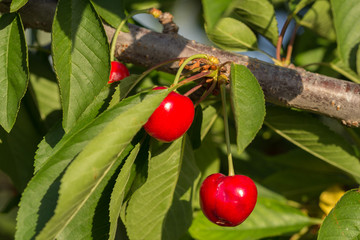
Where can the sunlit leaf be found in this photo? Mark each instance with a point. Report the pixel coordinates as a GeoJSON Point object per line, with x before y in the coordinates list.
{"type": "Point", "coordinates": [343, 221]}
{"type": "Point", "coordinates": [81, 57]}
{"type": "Point", "coordinates": [17, 4]}
{"type": "Point", "coordinates": [248, 103]}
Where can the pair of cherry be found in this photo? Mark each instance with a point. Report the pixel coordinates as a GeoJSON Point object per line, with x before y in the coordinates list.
{"type": "Point", "coordinates": [225, 200]}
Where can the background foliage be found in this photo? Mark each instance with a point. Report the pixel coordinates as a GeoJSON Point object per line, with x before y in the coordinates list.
{"type": "Point", "coordinates": [76, 164]}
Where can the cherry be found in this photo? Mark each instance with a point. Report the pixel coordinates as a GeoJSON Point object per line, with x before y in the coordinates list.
{"type": "Point", "coordinates": [227, 200]}
{"type": "Point", "coordinates": [118, 72]}
{"type": "Point", "coordinates": [172, 118]}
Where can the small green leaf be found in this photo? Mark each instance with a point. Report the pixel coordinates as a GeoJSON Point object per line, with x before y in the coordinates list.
{"type": "Point", "coordinates": [311, 135]}
{"type": "Point", "coordinates": [346, 14]}
{"type": "Point", "coordinates": [149, 205]}
{"type": "Point", "coordinates": [97, 161]}
{"type": "Point", "coordinates": [17, 4]}
{"type": "Point", "coordinates": [210, 114]}
{"type": "Point", "coordinates": [319, 19]}
{"type": "Point", "coordinates": [297, 5]}
{"type": "Point", "coordinates": [14, 71]}
{"type": "Point", "coordinates": [81, 57]}
{"type": "Point", "coordinates": [248, 103]}
{"type": "Point", "coordinates": [118, 194]}
{"type": "Point", "coordinates": [343, 221]}
{"type": "Point", "coordinates": [270, 217]}
{"type": "Point", "coordinates": [258, 15]}
{"type": "Point", "coordinates": [232, 34]}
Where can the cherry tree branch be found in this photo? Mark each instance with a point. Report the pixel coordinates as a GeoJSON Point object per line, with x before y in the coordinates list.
{"type": "Point", "coordinates": [290, 87]}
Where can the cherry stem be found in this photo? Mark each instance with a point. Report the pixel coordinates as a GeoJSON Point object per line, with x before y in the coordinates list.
{"type": "Point", "coordinates": [291, 45]}
{"type": "Point", "coordinates": [117, 32]}
{"type": "Point", "coordinates": [227, 135]}
{"type": "Point", "coordinates": [191, 91]}
{"type": "Point", "coordinates": [280, 39]}
{"type": "Point", "coordinates": [176, 80]}
{"type": "Point", "coordinates": [212, 87]}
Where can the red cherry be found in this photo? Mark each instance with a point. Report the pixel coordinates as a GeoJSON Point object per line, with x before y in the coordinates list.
{"type": "Point", "coordinates": [118, 72]}
{"type": "Point", "coordinates": [172, 118]}
{"type": "Point", "coordinates": [227, 200]}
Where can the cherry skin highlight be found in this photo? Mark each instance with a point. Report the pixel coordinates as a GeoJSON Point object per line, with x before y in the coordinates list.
{"type": "Point", "coordinates": [118, 72]}
{"type": "Point", "coordinates": [227, 200]}
{"type": "Point", "coordinates": [172, 118]}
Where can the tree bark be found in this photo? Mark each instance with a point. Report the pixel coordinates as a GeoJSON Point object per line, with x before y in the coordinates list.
{"type": "Point", "coordinates": [282, 86]}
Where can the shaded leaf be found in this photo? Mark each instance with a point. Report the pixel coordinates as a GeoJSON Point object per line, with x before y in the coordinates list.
{"type": "Point", "coordinates": [149, 205]}
{"type": "Point", "coordinates": [14, 73]}
{"type": "Point", "coordinates": [347, 33]}
{"type": "Point", "coordinates": [17, 149]}
{"type": "Point", "coordinates": [232, 34]}
{"type": "Point", "coordinates": [111, 11]}
{"type": "Point", "coordinates": [248, 104]}
{"type": "Point", "coordinates": [343, 221]}
{"type": "Point", "coordinates": [179, 217]}
{"type": "Point", "coordinates": [81, 57]}
{"type": "Point", "coordinates": [312, 136]}
{"type": "Point", "coordinates": [258, 15]}
{"type": "Point", "coordinates": [319, 19]}
{"type": "Point", "coordinates": [271, 217]}
{"type": "Point", "coordinates": [194, 131]}
{"type": "Point", "coordinates": [118, 193]}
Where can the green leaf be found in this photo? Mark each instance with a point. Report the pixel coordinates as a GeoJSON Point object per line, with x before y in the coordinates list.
{"type": "Point", "coordinates": [210, 114]}
{"type": "Point", "coordinates": [270, 217]}
{"type": "Point", "coordinates": [17, 149]}
{"type": "Point", "coordinates": [111, 11]}
{"type": "Point", "coordinates": [96, 161]}
{"type": "Point", "coordinates": [148, 206]}
{"type": "Point", "coordinates": [194, 131]}
{"type": "Point", "coordinates": [213, 11]}
{"type": "Point", "coordinates": [346, 14]}
{"type": "Point", "coordinates": [231, 34]}
{"type": "Point", "coordinates": [37, 203]}
{"type": "Point", "coordinates": [258, 15]}
{"type": "Point", "coordinates": [118, 194]}
{"type": "Point", "coordinates": [17, 4]}
{"type": "Point", "coordinates": [180, 215]}
{"type": "Point", "coordinates": [312, 136]}
{"type": "Point", "coordinates": [319, 19]}
{"type": "Point", "coordinates": [14, 71]}
{"type": "Point", "coordinates": [81, 57]}
{"type": "Point", "coordinates": [248, 105]}
{"type": "Point", "coordinates": [297, 5]}
{"type": "Point", "coordinates": [343, 221]}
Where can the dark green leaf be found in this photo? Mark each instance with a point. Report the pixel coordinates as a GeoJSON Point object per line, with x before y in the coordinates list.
{"type": "Point", "coordinates": [319, 19]}
{"type": "Point", "coordinates": [258, 15]}
{"type": "Point", "coordinates": [81, 57]}
{"type": "Point", "coordinates": [118, 194]}
{"type": "Point", "coordinates": [346, 15]}
{"type": "Point", "coordinates": [210, 114]}
{"type": "Point", "coordinates": [17, 4]}
{"type": "Point", "coordinates": [231, 34]}
{"type": "Point", "coordinates": [180, 215]}
{"type": "Point", "coordinates": [17, 149]}
{"type": "Point", "coordinates": [248, 105]}
{"type": "Point", "coordinates": [194, 131]}
{"type": "Point", "coordinates": [37, 203]}
{"type": "Point", "coordinates": [343, 221]}
{"type": "Point", "coordinates": [111, 11]}
{"type": "Point", "coordinates": [149, 205]}
{"type": "Point", "coordinates": [14, 71]}
{"type": "Point", "coordinates": [311, 135]}
{"type": "Point", "coordinates": [270, 217]}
